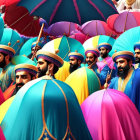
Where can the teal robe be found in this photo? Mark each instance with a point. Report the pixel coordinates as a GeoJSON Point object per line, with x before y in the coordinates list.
{"type": "Point", "coordinates": [7, 76]}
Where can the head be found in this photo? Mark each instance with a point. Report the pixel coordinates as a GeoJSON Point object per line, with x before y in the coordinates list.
{"type": "Point", "coordinates": [104, 52]}
{"type": "Point", "coordinates": [91, 58]}
{"type": "Point", "coordinates": [104, 49]}
{"type": "Point", "coordinates": [123, 66]}
{"type": "Point", "coordinates": [74, 63]}
{"type": "Point", "coordinates": [48, 63]}
{"type": "Point", "coordinates": [137, 55]}
{"type": "Point", "coordinates": [23, 77]}
{"type": "Point", "coordinates": [4, 59]}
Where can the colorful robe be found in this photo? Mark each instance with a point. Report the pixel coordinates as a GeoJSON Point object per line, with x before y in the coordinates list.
{"type": "Point", "coordinates": [130, 85]}
{"type": "Point", "coordinates": [7, 76]}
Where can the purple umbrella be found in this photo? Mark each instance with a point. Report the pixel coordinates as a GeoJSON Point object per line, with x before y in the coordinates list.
{"type": "Point", "coordinates": [62, 28]}
{"type": "Point", "coordinates": [111, 115]}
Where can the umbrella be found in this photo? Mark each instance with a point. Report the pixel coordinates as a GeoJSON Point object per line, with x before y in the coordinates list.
{"type": "Point", "coordinates": [79, 11]}
{"type": "Point", "coordinates": [1, 97]}
{"type": "Point", "coordinates": [110, 115]}
{"type": "Point", "coordinates": [79, 37]}
{"type": "Point", "coordinates": [13, 37]}
{"type": "Point", "coordinates": [95, 41]}
{"type": "Point", "coordinates": [62, 28]}
{"type": "Point", "coordinates": [18, 18]}
{"type": "Point", "coordinates": [44, 108]}
{"type": "Point", "coordinates": [26, 48]}
{"type": "Point", "coordinates": [96, 27]}
{"type": "Point", "coordinates": [1, 26]}
{"type": "Point", "coordinates": [1, 135]}
{"type": "Point", "coordinates": [65, 45]}
{"type": "Point", "coordinates": [83, 81]}
{"type": "Point", "coordinates": [123, 21]}
{"type": "Point", "coordinates": [126, 41]}
{"type": "Point", "coordinates": [63, 72]}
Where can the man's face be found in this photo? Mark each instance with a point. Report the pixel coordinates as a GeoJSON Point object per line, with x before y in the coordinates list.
{"type": "Point", "coordinates": [2, 61]}
{"type": "Point", "coordinates": [90, 58]}
{"type": "Point", "coordinates": [42, 67]}
{"type": "Point", "coordinates": [22, 77]}
{"type": "Point", "coordinates": [73, 64]}
{"type": "Point", "coordinates": [123, 67]}
{"type": "Point", "coordinates": [137, 55]}
{"type": "Point", "coordinates": [103, 52]}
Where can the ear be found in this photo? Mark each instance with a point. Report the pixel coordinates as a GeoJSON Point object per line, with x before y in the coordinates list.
{"type": "Point", "coordinates": [130, 63]}
{"type": "Point", "coordinates": [107, 51]}
{"type": "Point", "coordinates": [7, 57]}
{"type": "Point", "coordinates": [50, 67]}
{"type": "Point", "coordinates": [79, 62]}
{"type": "Point", "coordinates": [34, 77]}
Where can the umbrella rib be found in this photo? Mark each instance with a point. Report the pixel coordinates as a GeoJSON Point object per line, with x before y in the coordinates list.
{"type": "Point", "coordinates": [110, 5]}
{"type": "Point", "coordinates": [125, 21]}
{"type": "Point", "coordinates": [55, 10]}
{"type": "Point", "coordinates": [38, 5]}
{"type": "Point", "coordinates": [19, 19]}
{"type": "Point", "coordinates": [77, 11]}
{"type": "Point", "coordinates": [97, 9]}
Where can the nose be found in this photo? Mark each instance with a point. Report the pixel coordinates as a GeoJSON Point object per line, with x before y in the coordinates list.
{"type": "Point", "coordinates": [118, 65]}
{"type": "Point", "coordinates": [38, 66]}
{"type": "Point", "coordinates": [19, 80]}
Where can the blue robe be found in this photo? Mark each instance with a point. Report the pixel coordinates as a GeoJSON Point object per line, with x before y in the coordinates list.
{"type": "Point", "coordinates": [103, 74]}
{"type": "Point", "coordinates": [7, 76]}
{"type": "Point", "coordinates": [130, 85]}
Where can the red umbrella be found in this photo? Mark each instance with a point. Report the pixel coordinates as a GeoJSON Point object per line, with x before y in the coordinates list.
{"type": "Point", "coordinates": [18, 18]}
{"type": "Point", "coordinates": [96, 27]}
{"type": "Point", "coordinates": [123, 21]}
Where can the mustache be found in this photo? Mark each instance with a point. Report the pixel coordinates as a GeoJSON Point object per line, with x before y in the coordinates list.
{"type": "Point", "coordinates": [20, 84]}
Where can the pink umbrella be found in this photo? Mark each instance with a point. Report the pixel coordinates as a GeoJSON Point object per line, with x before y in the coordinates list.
{"type": "Point", "coordinates": [62, 28]}
{"type": "Point", "coordinates": [123, 21]}
{"type": "Point", "coordinates": [1, 97]}
{"type": "Point", "coordinates": [110, 115]}
{"type": "Point", "coordinates": [96, 27]}
{"type": "Point", "coordinates": [80, 37]}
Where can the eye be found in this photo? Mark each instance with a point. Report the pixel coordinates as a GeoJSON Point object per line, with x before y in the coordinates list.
{"type": "Point", "coordinates": [17, 76]}
{"type": "Point", "coordinates": [24, 76]}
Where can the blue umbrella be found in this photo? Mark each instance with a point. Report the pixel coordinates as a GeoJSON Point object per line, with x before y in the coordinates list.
{"type": "Point", "coordinates": [45, 109]}
{"type": "Point", "coordinates": [126, 41]}
{"type": "Point", "coordinates": [77, 11]}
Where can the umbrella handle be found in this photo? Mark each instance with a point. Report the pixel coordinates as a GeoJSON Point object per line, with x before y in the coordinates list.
{"type": "Point", "coordinates": [38, 39]}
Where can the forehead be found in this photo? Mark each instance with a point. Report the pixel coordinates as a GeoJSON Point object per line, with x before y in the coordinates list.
{"type": "Point", "coordinates": [121, 59]}
{"type": "Point", "coordinates": [22, 73]}
{"type": "Point", "coordinates": [137, 50]}
{"type": "Point", "coordinates": [102, 48]}
{"type": "Point", "coordinates": [41, 60]}
{"type": "Point", "coordinates": [89, 54]}
{"type": "Point", "coordinates": [1, 54]}
{"type": "Point", "coordinates": [72, 58]}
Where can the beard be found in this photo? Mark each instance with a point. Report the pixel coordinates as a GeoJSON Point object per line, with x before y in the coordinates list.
{"type": "Point", "coordinates": [104, 55]}
{"type": "Point", "coordinates": [124, 71]}
{"type": "Point", "coordinates": [3, 63]}
{"type": "Point", "coordinates": [73, 67]}
{"type": "Point", "coordinates": [137, 60]}
{"type": "Point", "coordinates": [18, 86]}
{"type": "Point", "coordinates": [42, 72]}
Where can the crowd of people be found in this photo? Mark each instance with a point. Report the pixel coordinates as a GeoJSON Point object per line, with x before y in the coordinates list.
{"type": "Point", "coordinates": [36, 104]}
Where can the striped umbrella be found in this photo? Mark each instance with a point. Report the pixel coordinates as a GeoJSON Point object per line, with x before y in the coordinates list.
{"type": "Point", "coordinates": [95, 41]}
{"type": "Point", "coordinates": [111, 115]}
{"type": "Point", "coordinates": [44, 109]}
{"type": "Point", "coordinates": [65, 45]}
{"type": "Point", "coordinates": [83, 81]}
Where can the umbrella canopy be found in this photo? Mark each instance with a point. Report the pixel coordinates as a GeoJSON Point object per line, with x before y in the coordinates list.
{"type": "Point", "coordinates": [83, 81]}
{"type": "Point", "coordinates": [11, 36]}
{"type": "Point", "coordinates": [80, 37]}
{"type": "Point", "coordinates": [126, 41]}
{"type": "Point", "coordinates": [96, 27]}
{"type": "Point", "coordinates": [111, 115]}
{"type": "Point", "coordinates": [62, 28]}
{"type": "Point", "coordinates": [44, 108]}
{"type": "Point", "coordinates": [79, 11]}
{"type": "Point", "coordinates": [123, 21]}
{"type": "Point", "coordinates": [1, 97]}
{"type": "Point", "coordinates": [95, 41]}
{"type": "Point", "coordinates": [63, 72]}
{"type": "Point", "coordinates": [65, 45]}
{"type": "Point", "coordinates": [18, 18]}
{"type": "Point", "coordinates": [1, 26]}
